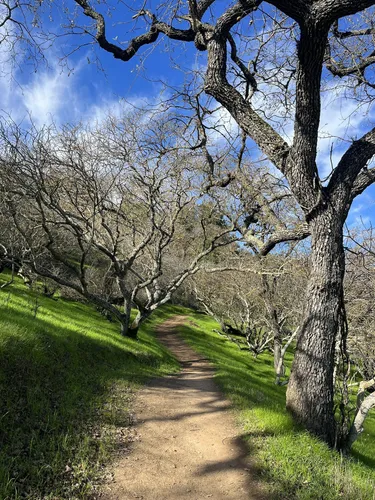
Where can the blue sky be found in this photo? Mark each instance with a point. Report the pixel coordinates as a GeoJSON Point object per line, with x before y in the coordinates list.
{"type": "Point", "coordinates": [82, 92]}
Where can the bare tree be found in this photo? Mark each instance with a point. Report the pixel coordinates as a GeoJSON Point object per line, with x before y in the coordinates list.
{"type": "Point", "coordinates": [360, 296]}
{"type": "Point", "coordinates": [311, 27]}
{"type": "Point", "coordinates": [329, 38]}
{"type": "Point", "coordinates": [102, 211]}
{"type": "Point", "coordinates": [272, 217]}
{"type": "Point", "coordinates": [236, 307]}
{"type": "Point", "coordinates": [252, 300]}
{"type": "Point", "coordinates": [21, 38]}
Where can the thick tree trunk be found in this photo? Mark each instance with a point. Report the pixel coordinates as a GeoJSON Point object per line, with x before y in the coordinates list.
{"type": "Point", "coordinates": [310, 390]}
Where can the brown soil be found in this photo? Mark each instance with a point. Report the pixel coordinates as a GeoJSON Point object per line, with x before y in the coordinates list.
{"type": "Point", "coordinates": [189, 446]}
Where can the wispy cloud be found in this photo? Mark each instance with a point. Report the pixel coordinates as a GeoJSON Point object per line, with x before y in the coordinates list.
{"type": "Point", "coordinates": [59, 96]}
{"type": "Point", "coordinates": [49, 95]}
{"type": "Point", "coordinates": [362, 209]}
{"type": "Point", "coordinates": [52, 96]}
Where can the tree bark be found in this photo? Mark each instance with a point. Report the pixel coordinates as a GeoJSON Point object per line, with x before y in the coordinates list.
{"type": "Point", "coordinates": [125, 323]}
{"type": "Point", "coordinates": [310, 394]}
{"type": "Point", "coordinates": [133, 328]}
{"type": "Point", "coordinates": [364, 405]}
{"type": "Point", "coordinates": [268, 297]}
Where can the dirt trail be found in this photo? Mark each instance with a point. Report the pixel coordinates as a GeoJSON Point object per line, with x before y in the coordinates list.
{"type": "Point", "coordinates": [189, 446]}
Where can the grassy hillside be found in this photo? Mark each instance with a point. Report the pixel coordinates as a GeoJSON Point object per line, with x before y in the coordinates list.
{"type": "Point", "coordinates": [294, 464]}
{"type": "Point", "coordinates": [66, 382]}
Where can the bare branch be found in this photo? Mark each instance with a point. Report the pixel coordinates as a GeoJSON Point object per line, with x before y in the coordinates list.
{"type": "Point", "coordinates": [151, 36]}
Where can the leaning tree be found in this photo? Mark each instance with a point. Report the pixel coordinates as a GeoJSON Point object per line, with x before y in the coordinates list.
{"type": "Point", "coordinates": [267, 62]}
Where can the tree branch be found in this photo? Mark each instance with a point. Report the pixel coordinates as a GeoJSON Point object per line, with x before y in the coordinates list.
{"type": "Point", "coordinates": [217, 85]}
{"type": "Point", "coordinates": [281, 236]}
{"type": "Point", "coordinates": [136, 43]}
{"type": "Point", "coordinates": [363, 181]}
{"type": "Point", "coordinates": [331, 10]}
{"type": "Point", "coordinates": [341, 186]}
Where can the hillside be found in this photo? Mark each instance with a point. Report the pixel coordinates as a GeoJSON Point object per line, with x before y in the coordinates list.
{"type": "Point", "coordinates": [66, 382]}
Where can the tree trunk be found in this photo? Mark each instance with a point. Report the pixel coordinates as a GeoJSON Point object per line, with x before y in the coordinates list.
{"type": "Point", "coordinates": [357, 427]}
{"type": "Point", "coordinates": [280, 369]}
{"type": "Point", "coordinates": [364, 405]}
{"type": "Point", "coordinates": [278, 359]}
{"type": "Point", "coordinates": [136, 323]}
{"type": "Point", "coordinates": [125, 317]}
{"type": "Point", "coordinates": [310, 394]}
{"type": "Point", "coordinates": [268, 293]}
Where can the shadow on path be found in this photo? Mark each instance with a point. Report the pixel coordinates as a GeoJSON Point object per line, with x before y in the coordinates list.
{"type": "Point", "coordinates": [189, 446]}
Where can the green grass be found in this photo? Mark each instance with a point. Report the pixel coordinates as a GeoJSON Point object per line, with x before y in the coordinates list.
{"type": "Point", "coordinates": [67, 379]}
{"type": "Point", "coordinates": [292, 463]}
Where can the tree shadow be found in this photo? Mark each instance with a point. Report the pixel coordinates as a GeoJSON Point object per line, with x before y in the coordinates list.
{"type": "Point", "coordinates": [58, 374]}
{"type": "Point", "coordinates": [249, 384]}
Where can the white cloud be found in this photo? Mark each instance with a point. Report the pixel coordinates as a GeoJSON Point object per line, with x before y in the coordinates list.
{"type": "Point", "coordinates": [58, 96]}
{"type": "Point", "coordinates": [358, 208]}
{"type": "Point", "coordinates": [341, 121]}
{"type": "Point", "coordinates": [221, 126]}
{"type": "Point", "coordinates": [50, 95]}
{"type": "Point", "coordinates": [99, 111]}
{"type": "Point", "coordinates": [362, 208]}
{"type": "Point", "coordinates": [359, 221]}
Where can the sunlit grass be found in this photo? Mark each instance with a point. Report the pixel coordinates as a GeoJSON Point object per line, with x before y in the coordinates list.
{"type": "Point", "coordinates": [66, 383]}
{"type": "Point", "coordinates": [293, 463]}
{"type": "Point", "coordinates": [66, 386]}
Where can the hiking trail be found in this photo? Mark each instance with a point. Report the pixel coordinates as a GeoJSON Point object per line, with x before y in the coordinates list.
{"type": "Point", "coordinates": [189, 446]}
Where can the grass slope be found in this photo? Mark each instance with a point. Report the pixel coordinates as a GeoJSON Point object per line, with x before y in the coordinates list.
{"type": "Point", "coordinates": [66, 384]}
{"type": "Point", "coordinates": [294, 464]}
